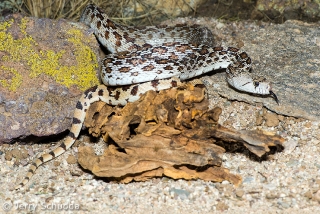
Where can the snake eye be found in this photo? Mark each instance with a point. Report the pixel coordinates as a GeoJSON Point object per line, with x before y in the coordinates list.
{"type": "Point", "coordinates": [256, 84]}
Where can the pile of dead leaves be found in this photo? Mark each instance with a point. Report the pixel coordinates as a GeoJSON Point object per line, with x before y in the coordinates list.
{"type": "Point", "coordinates": [171, 133]}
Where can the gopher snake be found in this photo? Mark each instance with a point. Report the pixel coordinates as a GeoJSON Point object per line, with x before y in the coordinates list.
{"type": "Point", "coordinates": [152, 58]}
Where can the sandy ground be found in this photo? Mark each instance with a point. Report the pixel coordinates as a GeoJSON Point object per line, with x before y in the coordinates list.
{"type": "Point", "coordinates": [287, 182]}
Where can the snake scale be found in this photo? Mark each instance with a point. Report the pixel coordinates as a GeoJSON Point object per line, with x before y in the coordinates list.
{"type": "Point", "coordinates": [152, 58]}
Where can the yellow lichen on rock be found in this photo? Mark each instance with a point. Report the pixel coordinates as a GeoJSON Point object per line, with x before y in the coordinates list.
{"type": "Point", "coordinates": [85, 58]}
{"type": "Point", "coordinates": [15, 81]}
{"type": "Point", "coordinates": [25, 50]}
{"type": "Point", "coordinates": [83, 74]}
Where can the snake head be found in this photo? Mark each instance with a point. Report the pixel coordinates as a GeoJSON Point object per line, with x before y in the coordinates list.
{"type": "Point", "coordinates": [246, 83]}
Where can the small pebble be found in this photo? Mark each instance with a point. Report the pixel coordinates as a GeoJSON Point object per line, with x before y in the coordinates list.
{"type": "Point", "coordinates": [317, 196]}
{"type": "Point", "coordinates": [271, 119]}
{"type": "Point", "coordinates": [248, 180]}
{"type": "Point", "coordinates": [221, 206]}
{"type": "Point", "coordinates": [56, 163]}
{"type": "Point", "coordinates": [292, 162]}
{"type": "Point", "coordinates": [239, 192]}
{"type": "Point", "coordinates": [71, 159]}
{"type": "Point", "coordinates": [183, 194]}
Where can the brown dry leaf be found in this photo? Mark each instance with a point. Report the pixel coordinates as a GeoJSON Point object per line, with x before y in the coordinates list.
{"type": "Point", "coordinates": [171, 133]}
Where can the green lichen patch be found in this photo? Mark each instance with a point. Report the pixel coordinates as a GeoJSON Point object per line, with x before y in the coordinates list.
{"type": "Point", "coordinates": [24, 49]}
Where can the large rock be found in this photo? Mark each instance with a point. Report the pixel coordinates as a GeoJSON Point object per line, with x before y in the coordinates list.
{"type": "Point", "coordinates": [285, 54]}
{"type": "Point", "coordinates": [45, 66]}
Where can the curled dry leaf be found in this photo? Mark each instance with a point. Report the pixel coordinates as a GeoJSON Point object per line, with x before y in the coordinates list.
{"type": "Point", "coordinates": [171, 133]}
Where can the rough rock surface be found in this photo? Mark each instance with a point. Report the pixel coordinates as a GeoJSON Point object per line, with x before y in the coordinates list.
{"type": "Point", "coordinates": [168, 7]}
{"type": "Point", "coordinates": [287, 9]}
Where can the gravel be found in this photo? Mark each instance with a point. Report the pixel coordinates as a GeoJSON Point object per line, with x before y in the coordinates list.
{"type": "Point", "coordinates": [288, 181]}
